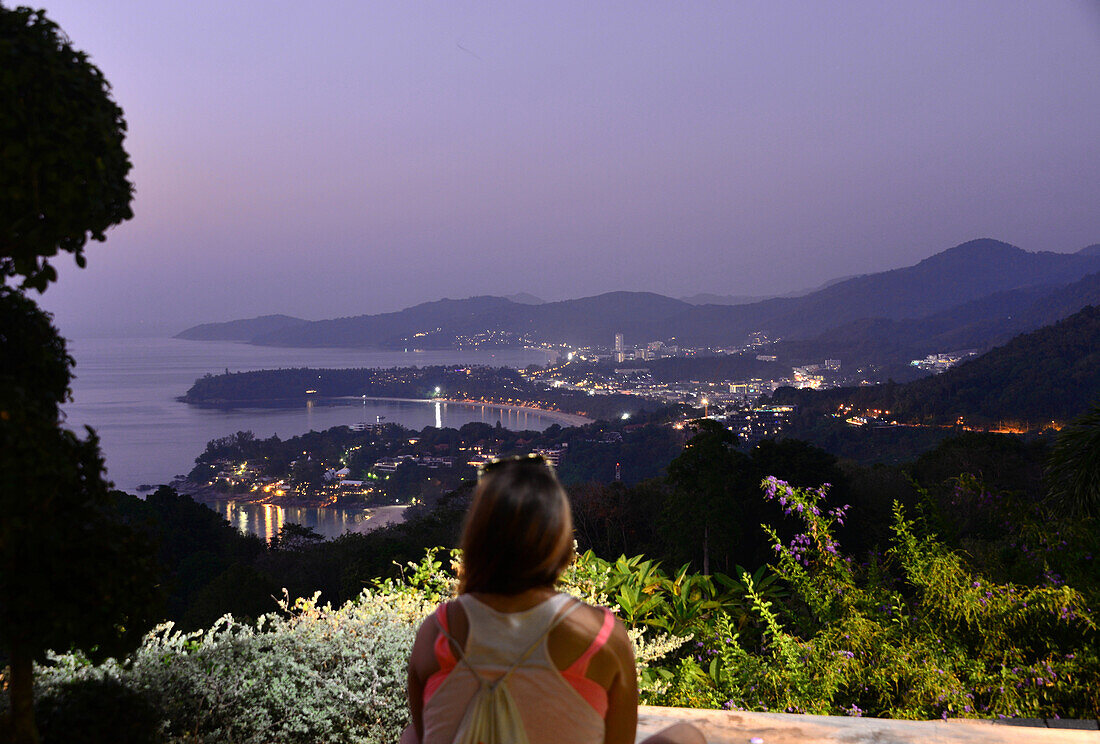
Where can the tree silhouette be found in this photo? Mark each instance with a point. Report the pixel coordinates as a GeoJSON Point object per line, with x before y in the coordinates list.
{"type": "Point", "coordinates": [701, 518]}
{"type": "Point", "coordinates": [71, 573]}
{"type": "Point", "coordinates": [1073, 472]}
{"type": "Point", "coordinates": [62, 165]}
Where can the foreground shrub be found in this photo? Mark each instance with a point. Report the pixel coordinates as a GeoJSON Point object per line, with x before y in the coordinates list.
{"type": "Point", "coordinates": [911, 634]}
{"type": "Point", "coordinates": [91, 711]}
{"type": "Point", "coordinates": [311, 674]}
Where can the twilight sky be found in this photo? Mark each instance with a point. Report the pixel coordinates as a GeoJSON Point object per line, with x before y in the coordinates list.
{"type": "Point", "coordinates": [337, 158]}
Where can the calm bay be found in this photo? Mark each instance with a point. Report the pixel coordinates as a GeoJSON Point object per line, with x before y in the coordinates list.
{"type": "Point", "coordinates": [126, 390]}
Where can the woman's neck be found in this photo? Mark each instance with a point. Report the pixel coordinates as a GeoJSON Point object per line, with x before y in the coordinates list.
{"type": "Point", "coordinates": [525, 600]}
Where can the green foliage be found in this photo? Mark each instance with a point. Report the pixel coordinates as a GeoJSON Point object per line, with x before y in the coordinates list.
{"type": "Point", "coordinates": [912, 634]}
{"type": "Point", "coordinates": [426, 579]}
{"type": "Point", "coordinates": [1074, 471]}
{"type": "Point", "coordinates": [63, 168]}
{"type": "Point", "coordinates": [97, 710]}
{"type": "Point", "coordinates": [34, 363]}
{"type": "Point", "coordinates": [309, 673]}
{"type": "Point", "coordinates": [706, 478]}
{"type": "Point", "coordinates": [195, 546]}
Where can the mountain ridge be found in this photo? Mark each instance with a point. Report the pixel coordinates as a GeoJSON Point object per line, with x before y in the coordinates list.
{"type": "Point", "coordinates": [949, 279]}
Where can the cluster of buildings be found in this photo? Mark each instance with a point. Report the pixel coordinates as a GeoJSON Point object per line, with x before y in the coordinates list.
{"type": "Point", "coordinates": [937, 363]}
{"type": "Point", "coordinates": [651, 350]}
{"type": "Point", "coordinates": [387, 465]}
{"type": "Point", "coordinates": [635, 378]}
{"type": "Point", "coordinates": [492, 340]}
{"type": "Point", "coordinates": [815, 376]}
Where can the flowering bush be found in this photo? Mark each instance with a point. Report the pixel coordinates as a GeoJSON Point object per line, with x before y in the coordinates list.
{"type": "Point", "coordinates": [911, 634]}
{"type": "Point", "coordinates": [310, 674]}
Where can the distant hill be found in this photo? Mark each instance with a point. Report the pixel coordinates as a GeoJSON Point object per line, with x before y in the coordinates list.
{"type": "Point", "coordinates": [1052, 374]}
{"type": "Point", "coordinates": [961, 274]}
{"type": "Point", "coordinates": [421, 326]}
{"type": "Point", "coordinates": [979, 324]}
{"type": "Point", "coordinates": [706, 298]}
{"type": "Point", "coordinates": [440, 324]}
{"type": "Point", "coordinates": [525, 298]}
{"type": "Point", "coordinates": [240, 330]}
{"type": "Point", "coordinates": [873, 312]}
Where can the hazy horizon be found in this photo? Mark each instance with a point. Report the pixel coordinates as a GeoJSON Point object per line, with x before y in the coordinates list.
{"type": "Point", "coordinates": [365, 158]}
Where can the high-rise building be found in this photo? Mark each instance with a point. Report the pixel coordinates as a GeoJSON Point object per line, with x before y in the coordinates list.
{"type": "Point", "coordinates": [619, 355]}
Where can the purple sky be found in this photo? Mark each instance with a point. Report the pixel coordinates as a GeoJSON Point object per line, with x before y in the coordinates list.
{"type": "Point", "coordinates": [328, 159]}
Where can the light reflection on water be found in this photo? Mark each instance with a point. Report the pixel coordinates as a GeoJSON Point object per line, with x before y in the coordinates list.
{"type": "Point", "coordinates": [265, 520]}
{"type": "Point", "coordinates": [127, 390]}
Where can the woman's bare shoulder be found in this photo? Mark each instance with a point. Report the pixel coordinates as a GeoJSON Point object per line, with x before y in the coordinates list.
{"type": "Point", "coordinates": [580, 628]}
{"type": "Point", "coordinates": [586, 615]}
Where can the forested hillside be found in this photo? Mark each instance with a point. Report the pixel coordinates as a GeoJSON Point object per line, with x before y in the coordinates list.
{"type": "Point", "coordinates": [501, 385]}
{"type": "Point", "coordinates": [1052, 374]}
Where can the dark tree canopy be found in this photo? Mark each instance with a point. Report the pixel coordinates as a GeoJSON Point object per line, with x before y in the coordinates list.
{"type": "Point", "coordinates": [63, 169]}
{"type": "Point", "coordinates": [1074, 468]}
{"type": "Point", "coordinates": [72, 574]}
{"type": "Point", "coordinates": [34, 365]}
{"type": "Point", "coordinates": [700, 517]}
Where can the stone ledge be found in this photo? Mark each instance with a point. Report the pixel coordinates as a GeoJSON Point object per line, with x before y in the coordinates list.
{"type": "Point", "coordinates": [738, 727]}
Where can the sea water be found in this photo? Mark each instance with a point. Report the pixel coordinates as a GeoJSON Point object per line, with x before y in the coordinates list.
{"type": "Point", "coordinates": [127, 390]}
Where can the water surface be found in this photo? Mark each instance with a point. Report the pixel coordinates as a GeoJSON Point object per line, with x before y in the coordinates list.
{"type": "Point", "coordinates": [127, 388]}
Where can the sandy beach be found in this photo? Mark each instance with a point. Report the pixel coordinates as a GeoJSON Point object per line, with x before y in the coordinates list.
{"type": "Point", "coordinates": [380, 516]}
{"type": "Point", "coordinates": [565, 419]}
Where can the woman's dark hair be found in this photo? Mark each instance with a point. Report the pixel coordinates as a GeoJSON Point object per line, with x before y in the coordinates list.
{"type": "Point", "coordinates": [519, 531]}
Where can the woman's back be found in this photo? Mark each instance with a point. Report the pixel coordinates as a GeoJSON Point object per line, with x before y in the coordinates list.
{"type": "Point", "coordinates": [550, 644]}
{"type": "Point", "coordinates": [577, 684]}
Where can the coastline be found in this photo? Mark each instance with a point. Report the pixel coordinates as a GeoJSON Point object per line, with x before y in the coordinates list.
{"type": "Point", "coordinates": [560, 417]}
{"type": "Point", "coordinates": [372, 517]}
{"type": "Point", "coordinates": [570, 419]}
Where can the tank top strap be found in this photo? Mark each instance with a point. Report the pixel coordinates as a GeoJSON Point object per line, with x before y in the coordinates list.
{"type": "Point", "coordinates": [580, 666]}
{"type": "Point", "coordinates": [442, 646]}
